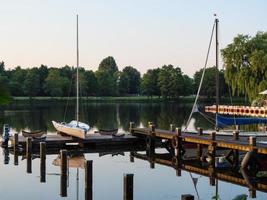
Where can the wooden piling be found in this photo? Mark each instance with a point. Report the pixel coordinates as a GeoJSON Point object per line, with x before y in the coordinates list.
{"type": "Point", "coordinates": [212, 149]}
{"type": "Point", "coordinates": [199, 146]}
{"type": "Point", "coordinates": [252, 141]}
{"type": "Point", "coordinates": [128, 187]}
{"type": "Point", "coordinates": [29, 154]}
{"type": "Point", "coordinates": [15, 146]}
{"type": "Point", "coordinates": [252, 193]}
{"type": "Point", "coordinates": [63, 173]}
{"type": "Point", "coordinates": [236, 152]}
{"type": "Point", "coordinates": [42, 162]}
{"type": "Point", "coordinates": [150, 141]}
{"type": "Point", "coordinates": [177, 142]}
{"type": "Point", "coordinates": [131, 157]}
{"type": "Point", "coordinates": [88, 179]}
{"type": "Point", "coordinates": [172, 127]}
{"type": "Point", "coordinates": [187, 197]}
{"type": "Point", "coordinates": [131, 128]}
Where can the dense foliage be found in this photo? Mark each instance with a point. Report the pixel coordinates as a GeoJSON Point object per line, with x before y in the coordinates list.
{"type": "Point", "coordinates": [167, 81]}
{"type": "Point", "coordinates": [4, 93]}
{"type": "Point", "coordinates": [209, 83]}
{"type": "Point", "coordinates": [245, 61]}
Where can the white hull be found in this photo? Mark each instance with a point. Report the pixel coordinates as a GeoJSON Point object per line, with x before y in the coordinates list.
{"type": "Point", "coordinates": [71, 129]}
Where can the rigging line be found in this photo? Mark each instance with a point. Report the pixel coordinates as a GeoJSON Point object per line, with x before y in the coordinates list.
{"type": "Point", "coordinates": [207, 119]}
{"type": "Point", "coordinates": [230, 95]}
{"type": "Point", "coordinates": [202, 77]}
{"type": "Point", "coordinates": [195, 187]}
{"type": "Point", "coordinates": [67, 104]}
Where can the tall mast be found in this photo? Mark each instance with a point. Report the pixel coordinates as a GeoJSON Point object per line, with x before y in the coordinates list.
{"type": "Point", "coordinates": [77, 77]}
{"type": "Point", "coordinates": [217, 65]}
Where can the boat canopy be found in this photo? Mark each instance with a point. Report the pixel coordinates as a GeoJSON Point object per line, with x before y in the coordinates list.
{"type": "Point", "coordinates": [228, 121]}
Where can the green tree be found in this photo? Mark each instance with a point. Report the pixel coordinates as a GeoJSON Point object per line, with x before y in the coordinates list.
{"type": "Point", "coordinates": [92, 84]}
{"type": "Point", "coordinates": [108, 65]}
{"type": "Point", "coordinates": [209, 82]}
{"type": "Point", "coordinates": [188, 85]}
{"type": "Point", "coordinates": [245, 61]}
{"type": "Point", "coordinates": [43, 73]}
{"type": "Point", "coordinates": [16, 80]}
{"type": "Point", "coordinates": [4, 92]}
{"type": "Point", "coordinates": [123, 83]}
{"type": "Point", "coordinates": [130, 80]}
{"type": "Point", "coordinates": [31, 86]}
{"type": "Point", "coordinates": [55, 85]}
{"type": "Point", "coordinates": [171, 81]}
{"type": "Point", "coordinates": [149, 83]}
{"type": "Point", "coordinates": [107, 83]}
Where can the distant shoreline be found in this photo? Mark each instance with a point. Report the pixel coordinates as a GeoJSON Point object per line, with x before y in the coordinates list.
{"type": "Point", "coordinates": [184, 99]}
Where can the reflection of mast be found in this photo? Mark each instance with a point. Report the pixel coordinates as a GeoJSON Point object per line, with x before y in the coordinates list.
{"type": "Point", "coordinates": [217, 188]}
{"type": "Point", "coordinates": [77, 184]}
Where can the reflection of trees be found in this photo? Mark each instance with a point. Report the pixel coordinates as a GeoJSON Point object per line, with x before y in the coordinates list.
{"type": "Point", "coordinates": [129, 112]}
{"type": "Point", "coordinates": [100, 115]}
{"type": "Point", "coordinates": [106, 116]}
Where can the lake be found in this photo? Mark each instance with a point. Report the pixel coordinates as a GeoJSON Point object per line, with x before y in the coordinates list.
{"type": "Point", "coordinates": [159, 183]}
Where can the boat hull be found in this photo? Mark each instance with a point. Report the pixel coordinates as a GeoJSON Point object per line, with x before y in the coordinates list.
{"type": "Point", "coordinates": [72, 131]}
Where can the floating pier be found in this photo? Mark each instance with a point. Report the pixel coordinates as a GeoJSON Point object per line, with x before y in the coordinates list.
{"type": "Point", "coordinates": [252, 111]}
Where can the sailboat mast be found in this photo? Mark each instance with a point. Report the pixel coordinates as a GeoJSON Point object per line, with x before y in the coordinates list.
{"type": "Point", "coordinates": [217, 65]}
{"type": "Point", "coordinates": [77, 77]}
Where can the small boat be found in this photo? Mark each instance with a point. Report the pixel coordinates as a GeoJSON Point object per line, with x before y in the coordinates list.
{"type": "Point", "coordinates": [107, 132]}
{"type": "Point", "coordinates": [33, 134]}
{"type": "Point", "coordinates": [73, 162]}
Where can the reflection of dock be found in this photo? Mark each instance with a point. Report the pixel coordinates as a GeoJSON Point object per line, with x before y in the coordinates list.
{"type": "Point", "coordinates": [60, 141]}
{"type": "Point", "coordinates": [195, 166]}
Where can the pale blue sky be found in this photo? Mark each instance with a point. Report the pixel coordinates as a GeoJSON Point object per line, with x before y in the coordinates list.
{"type": "Point", "coordinates": [142, 33]}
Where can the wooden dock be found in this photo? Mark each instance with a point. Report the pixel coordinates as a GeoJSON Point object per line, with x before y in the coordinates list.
{"type": "Point", "coordinates": [60, 141]}
{"type": "Point", "coordinates": [242, 143]}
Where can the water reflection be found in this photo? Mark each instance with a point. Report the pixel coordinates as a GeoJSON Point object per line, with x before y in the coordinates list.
{"type": "Point", "coordinates": [78, 157]}
{"type": "Point", "coordinates": [101, 115]}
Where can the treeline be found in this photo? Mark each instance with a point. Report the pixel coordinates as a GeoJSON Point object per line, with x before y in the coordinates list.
{"type": "Point", "coordinates": [167, 81]}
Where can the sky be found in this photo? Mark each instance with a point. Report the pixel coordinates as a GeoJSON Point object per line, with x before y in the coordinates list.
{"type": "Point", "coordinates": [144, 34]}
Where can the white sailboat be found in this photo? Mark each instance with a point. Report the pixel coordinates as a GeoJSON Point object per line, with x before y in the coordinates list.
{"type": "Point", "coordinates": [75, 127]}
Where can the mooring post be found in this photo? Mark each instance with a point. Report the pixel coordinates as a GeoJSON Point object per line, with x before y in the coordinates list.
{"type": "Point", "coordinates": [131, 156]}
{"type": "Point", "coordinates": [128, 187]}
{"type": "Point", "coordinates": [212, 149]}
{"type": "Point", "coordinates": [212, 154]}
{"type": "Point", "coordinates": [150, 141]}
{"type": "Point", "coordinates": [252, 193]}
{"type": "Point", "coordinates": [63, 173]}
{"type": "Point", "coordinates": [187, 197]}
{"type": "Point", "coordinates": [199, 146]}
{"type": "Point", "coordinates": [42, 162]}
{"type": "Point", "coordinates": [88, 179]}
{"type": "Point", "coordinates": [252, 142]}
{"type": "Point", "coordinates": [16, 144]}
{"type": "Point", "coordinates": [29, 154]}
{"type": "Point", "coordinates": [236, 152]}
{"type": "Point", "coordinates": [131, 129]}
{"type": "Point", "coordinates": [177, 142]}
{"type": "Point", "coordinates": [172, 127]}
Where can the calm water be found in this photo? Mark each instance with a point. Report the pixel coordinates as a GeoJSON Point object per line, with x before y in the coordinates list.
{"type": "Point", "coordinates": [158, 183]}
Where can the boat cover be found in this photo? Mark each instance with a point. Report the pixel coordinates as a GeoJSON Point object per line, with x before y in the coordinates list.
{"type": "Point", "coordinates": [227, 121]}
